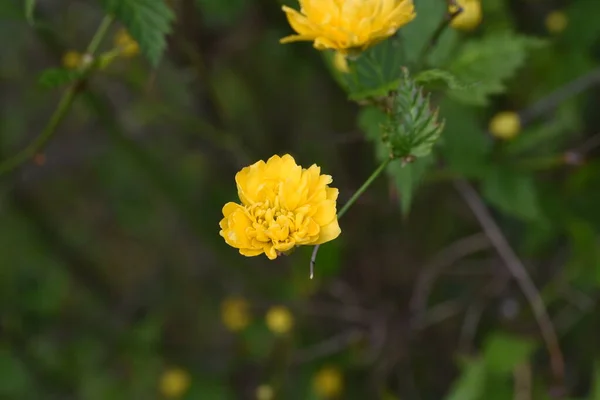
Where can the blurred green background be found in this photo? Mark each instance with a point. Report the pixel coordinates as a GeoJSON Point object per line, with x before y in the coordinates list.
{"type": "Point", "coordinates": [115, 283]}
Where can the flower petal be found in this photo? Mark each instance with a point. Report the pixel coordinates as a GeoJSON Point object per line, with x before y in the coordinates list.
{"type": "Point", "coordinates": [329, 232]}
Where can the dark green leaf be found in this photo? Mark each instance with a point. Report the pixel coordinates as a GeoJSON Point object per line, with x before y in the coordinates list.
{"type": "Point", "coordinates": [503, 352]}
{"type": "Point", "coordinates": [148, 22]}
{"type": "Point", "coordinates": [417, 34]}
{"type": "Point", "coordinates": [439, 79]}
{"type": "Point", "coordinates": [406, 179]}
{"type": "Point", "coordinates": [512, 192]}
{"type": "Point", "coordinates": [584, 266]}
{"type": "Point", "coordinates": [29, 8]}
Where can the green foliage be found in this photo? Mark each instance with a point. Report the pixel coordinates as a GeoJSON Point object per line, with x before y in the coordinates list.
{"type": "Point", "coordinates": [416, 35]}
{"type": "Point", "coordinates": [503, 352]}
{"type": "Point", "coordinates": [487, 64]}
{"type": "Point", "coordinates": [470, 385]}
{"type": "Point", "coordinates": [55, 77]}
{"type": "Point", "coordinates": [512, 191]}
{"type": "Point", "coordinates": [439, 79]}
{"type": "Point", "coordinates": [29, 9]}
{"type": "Point", "coordinates": [412, 127]}
{"type": "Point", "coordinates": [148, 22]}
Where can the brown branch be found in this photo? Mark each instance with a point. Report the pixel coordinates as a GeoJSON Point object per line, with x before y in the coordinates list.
{"type": "Point", "coordinates": [519, 272]}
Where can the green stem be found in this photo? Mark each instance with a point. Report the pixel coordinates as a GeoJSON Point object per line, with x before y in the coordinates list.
{"type": "Point", "coordinates": [347, 206]}
{"type": "Point", "coordinates": [363, 188]}
{"type": "Point", "coordinates": [64, 105]}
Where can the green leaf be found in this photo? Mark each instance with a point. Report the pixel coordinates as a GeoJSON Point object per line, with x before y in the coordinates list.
{"type": "Point", "coordinates": [488, 63]}
{"type": "Point", "coordinates": [464, 145]}
{"type": "Point", "coordinates": [374, 72]}
{"type": "Point", "coordinates": [471, 383]}
{"type": "Point", "coordinates": [503, 352]}
{"type": "Point", "coordinates": [14, 379]}
{"type": "Point", "coordinates": [595, 392]}
{"type": "Point", "coordinates": [412, 127]}
{"type": "Point", "coordinates": [55, 77]}
{"type": "Point", "coordinates": [29, 8]}
{"type": "Point", "coordinates": [440, 79]}
{"type": "Point", "coordinates": [417, 34]}
{"type": "Point", "coordinates": [512, 192]}
{"type": "Point", "coordinates": [148, 22]}
{"type": "Point", "coordinates": [584, 266]}
{"type": "Point", "coordinates": [406, 179]}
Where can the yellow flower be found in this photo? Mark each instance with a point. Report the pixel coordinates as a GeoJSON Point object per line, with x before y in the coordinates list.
{"type": "Point", "coordinates": [126, 44]}
{"type": "Point", "coordinates": [469, 18]}
{"type": "Point", "coordinates": [283, 206]}
{"type": "Point", "coordinates": [279, 320]}
{"type": "Point", "coordinates": [505, 125]}
{"type": "Point", "coordinates": [174, 383]}
{"type": "Point", "coordinates": [235, 314]}
{"type": "Point", "coordinates": [264, 392]}
{"type": "Point", "coordinates": [347, 25]}
{"type": "Point", "coordinates": [72, 60]}
{"type": "Point", "coordinates": [328, 382]}
{"type": "Point", "coordinates": [556, 22]}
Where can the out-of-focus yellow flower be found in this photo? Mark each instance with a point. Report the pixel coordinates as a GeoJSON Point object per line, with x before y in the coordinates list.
{"type": "Point", "coordinates": [72, 59]}
{"type": "Point", "coordinates": [469, 18]}
{"type": "Point", "coordinates": [128, 46]}
{"type": "Point", "coordinates": [556, 22]}
{"type": "Point", "coordinates": [174, 383]}
{"type": "Point", "coordinates": [283, 206]}
{"type": "Point", "coordinates": [279, 319]}
{"type": "Point", "coordinates": [235, 313]}
{"type": "Point", "coordinates": [265, 392]}
{"type": "Point", "coordinates": [505, 125]}
{"type": "Point", "coordinates": [328, 382]}
{"type": "Point", "coordinates": [340, 62]}
{"type": "Point", "coordinates": [347, 25]}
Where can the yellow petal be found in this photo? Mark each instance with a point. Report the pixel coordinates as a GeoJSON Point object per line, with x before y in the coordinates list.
{"type": "Point", "coordinates": [329, 232]}
{"type": "Point", "coordinates": [325, 212]}
{"type": "Point", "coordinates": [299, 22]}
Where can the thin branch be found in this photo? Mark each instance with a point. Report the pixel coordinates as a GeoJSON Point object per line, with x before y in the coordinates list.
{"type": "Point", "coordinates": [519, 272]}
{"type": "Point", "coordinates": [332, 345]}
{"type": "Point", "coordinates": [442, 260]}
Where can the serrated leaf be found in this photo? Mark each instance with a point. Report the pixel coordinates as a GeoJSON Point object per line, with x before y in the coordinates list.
{"type": "Point", "coordinates": [503, 352]}
{"type": "Point", "coordinates": [374, 72]}
{"type": "Point", "coordinates": [29, 8]}
{"type": "Point", "coordinates": [416, 35]}
{"type": "Point", "coordinates": [512, 191]}
{"type": "Point", "coordinates": [471, 383]}
{"type": "Point", "coordinates": [54, 77]}
{"type": "Point", "coordinates": [488, 63]}
{"type": "Point", "coordinates": [148, 22]}
{"type": "Point", "coordinates": [412, 127]}
{"type": "Point", "coordinates": [440, 79]}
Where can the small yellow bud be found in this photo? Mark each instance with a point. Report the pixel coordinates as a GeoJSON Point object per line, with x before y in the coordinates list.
{"type": "Point", "coordinates": [265, 392]}
{"type": "Point", "coordinates": [505, 125]}
{"type": "Point", "coordinates": [469, 18]}
{"type": "Point", "coordinates": [340, 63]}
{"type": "Point", "coordinates": [72, 60]}
{"type": "Point", "coordinates": [556, 22]}
{"type": "Point", "coordinates": [279, 319]}
{"type": "Point", "coordinates": [235, 313]}
{"type": "Point", "coordinates": [174, 383]}
{"type": "Point", "coordinates": [125, 42]}
{"type": "Point", "coordinates": [328, 382]}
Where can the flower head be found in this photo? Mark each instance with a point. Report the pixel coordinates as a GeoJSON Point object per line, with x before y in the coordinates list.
{"type": "Point", "coordinates": [282, 206]}
{"type": "Point", "coordinates": [128, 46]}
{"type": "Point", "coordinates": [556, 22]}
{"type": "Point", "coordinates": [174, 383]}
{"type": "Point", "coordinates": [347, 25]}
{"type": "Point", "coordinates": [328, 382]}
{"type": "Point", "coordinates": [469, 18]}
{"type": "Point", "coordinates": [279, 319]}
{"type": "Point", "coordinates": [235, 313]}
{"type": "Point", "coordinates": [72, 59]}
{"type": "Point", "coordinates": [505, 125]}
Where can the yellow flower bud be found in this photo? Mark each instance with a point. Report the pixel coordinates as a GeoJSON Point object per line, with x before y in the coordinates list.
{"type": "Point", "coordinates": [126, 44]}
{"type": "Point", "coordinates": [235, 313]}
{"type": "Point", "coordinates": [174, 383]}
{"type": "Point", "coordinates": [340, 63]}
{"type": "Point", "coordinates": [328, 382]}
{"type": "Point", "coordinates": [265, 392]}
{"type": "Point", "coordinates": [72, 60]}
{"type": "Point", "coordinates": [469, 18]}
{"type": "Point", "coordinates": [505, 125]}
{"type": "Point", "coordinates": [556, 22]}
{"type": "Point", "coordinates": [279, 319]}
